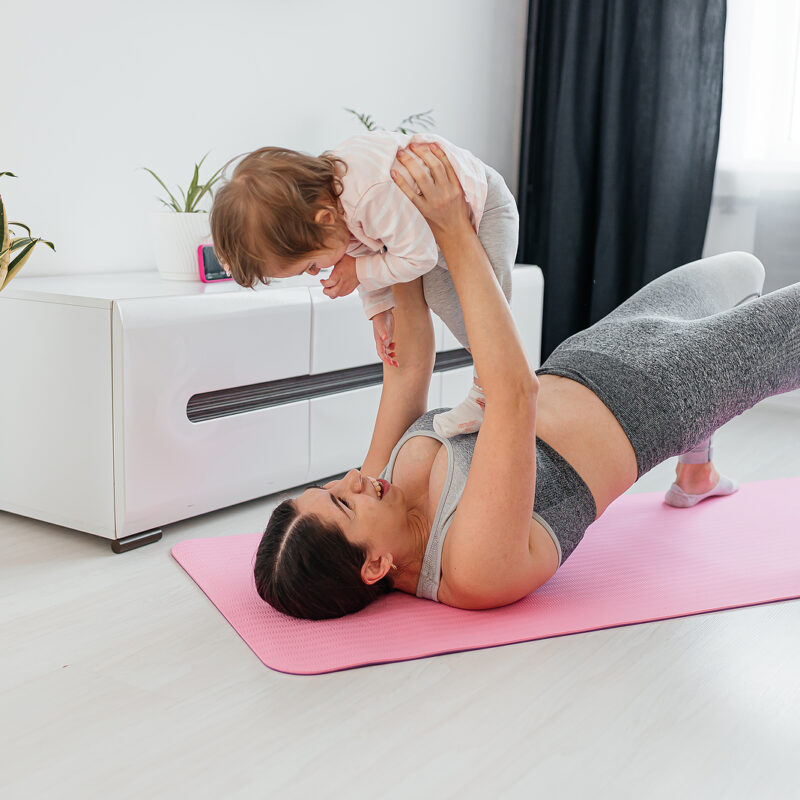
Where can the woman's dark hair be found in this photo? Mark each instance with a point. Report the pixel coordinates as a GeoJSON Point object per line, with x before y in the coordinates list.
{"type": "Point", "coordinates": [307, 568]}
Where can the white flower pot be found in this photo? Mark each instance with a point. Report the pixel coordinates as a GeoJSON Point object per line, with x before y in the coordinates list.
{"type": "Point", "coordinates": [176, 237]}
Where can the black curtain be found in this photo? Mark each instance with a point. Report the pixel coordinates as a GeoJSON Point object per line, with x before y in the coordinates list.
{"type": "Point", "coordinates": [619, 144]}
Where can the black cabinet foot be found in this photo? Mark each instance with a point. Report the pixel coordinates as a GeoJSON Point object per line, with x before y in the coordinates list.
{"type": "Point", "coordinates": [136, 540]}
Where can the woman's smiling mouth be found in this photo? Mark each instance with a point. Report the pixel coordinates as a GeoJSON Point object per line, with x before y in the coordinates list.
{"type": "Point", "coordinates": [381, 487]}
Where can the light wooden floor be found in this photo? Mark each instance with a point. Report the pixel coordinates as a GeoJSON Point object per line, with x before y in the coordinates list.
{"type": "Point", "coordinates": [119, 679]}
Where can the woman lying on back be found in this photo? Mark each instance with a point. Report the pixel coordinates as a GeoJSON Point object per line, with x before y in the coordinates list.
{"type": "Point", "coordinates": [481, 520]}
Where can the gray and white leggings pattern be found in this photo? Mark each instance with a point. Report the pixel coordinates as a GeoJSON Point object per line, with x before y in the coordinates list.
{"type": "Point", "coordinates": [688, 352]}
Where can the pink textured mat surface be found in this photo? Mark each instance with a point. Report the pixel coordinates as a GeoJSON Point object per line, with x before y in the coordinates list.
{"type": "Point", "coordinates": [641, 561]}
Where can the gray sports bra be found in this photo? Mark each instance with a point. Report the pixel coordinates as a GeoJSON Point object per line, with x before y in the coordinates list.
{"type": "Point", "coordinates": [563, 504]}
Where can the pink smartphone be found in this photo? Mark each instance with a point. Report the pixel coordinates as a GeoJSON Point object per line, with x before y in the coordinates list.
{"type": "Point", "coordinates": [208, 265]}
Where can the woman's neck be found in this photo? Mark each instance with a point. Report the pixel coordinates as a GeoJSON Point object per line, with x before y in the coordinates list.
{"type": "Point", "coordinates": [411, 553]}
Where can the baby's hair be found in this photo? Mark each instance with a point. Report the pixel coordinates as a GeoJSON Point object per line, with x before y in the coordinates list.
{"type": "Point", "coordinates": [263, 217]}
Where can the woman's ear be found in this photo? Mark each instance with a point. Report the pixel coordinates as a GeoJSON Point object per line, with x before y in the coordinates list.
{"type": "Point", "coordinates": [376, 568]}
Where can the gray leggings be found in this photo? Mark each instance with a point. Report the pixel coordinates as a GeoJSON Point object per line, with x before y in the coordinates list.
{"type": "Point", "coordinates": [687, 353]}
{"type": "Point", "coordinates": [499, 234]}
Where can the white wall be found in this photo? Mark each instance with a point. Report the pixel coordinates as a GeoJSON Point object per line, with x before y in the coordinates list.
{"type": "Point", "coordinates": [94, 90]}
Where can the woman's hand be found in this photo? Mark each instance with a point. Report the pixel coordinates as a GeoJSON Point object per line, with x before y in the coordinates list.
{"type": "Point", "coordinates": [441, 201]}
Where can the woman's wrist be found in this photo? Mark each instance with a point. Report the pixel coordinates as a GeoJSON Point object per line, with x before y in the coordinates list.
{"type": "Point", "coordinates": [454, 236]}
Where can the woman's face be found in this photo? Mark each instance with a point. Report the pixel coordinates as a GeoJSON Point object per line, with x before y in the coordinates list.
{"type": "Point", "coordinates": [370, 511]}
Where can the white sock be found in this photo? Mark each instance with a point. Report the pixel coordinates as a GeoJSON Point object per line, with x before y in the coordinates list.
{"type": "Point", "coordinates": [676, 497]}
{"type": "Point", "coordinates": [466, 417]}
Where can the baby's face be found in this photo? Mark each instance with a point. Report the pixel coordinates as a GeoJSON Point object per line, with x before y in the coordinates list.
{"type": "Point", "coordinates": [314, 262]}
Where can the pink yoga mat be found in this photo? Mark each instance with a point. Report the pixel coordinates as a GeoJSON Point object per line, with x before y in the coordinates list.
{"type": "Point", "coordinates": [641, 561]}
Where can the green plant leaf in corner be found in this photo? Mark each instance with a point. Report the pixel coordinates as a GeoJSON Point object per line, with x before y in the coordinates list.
{"type": "Point", "coordinates": [17, 264]}
{"type": "Point", "coordinates": [207, 187]}
{"type": "Point", "coordinates": [424, 119]}
{"type": "Point", "coordinates": [174, 201]}
{"type": "Point", "coordinates": [365, 119]}
{"type": "Point", "coordinates": [192, 190]}
{"type": "Point", "coordinates": [5, 247]}
{"type": "Point", "coordinates": [21, 225]}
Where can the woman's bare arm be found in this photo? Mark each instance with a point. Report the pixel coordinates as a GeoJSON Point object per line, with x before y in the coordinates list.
{"type": "Point", "coordinates": [490, 561]}
{"type": "Point", "coordinates": [404, 395]}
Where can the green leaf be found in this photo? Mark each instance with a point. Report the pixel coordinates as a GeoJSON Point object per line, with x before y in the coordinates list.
{"type": "Point", "coordinates": [16, 265]}
{"type": "Point", "coordinates": [4, 235]}
{"type": "Point", "coordinates": [174, 201]}
{"type": "Point", "coordinates": [192, 191]}
{"type": "Point", "coordinates": [215, 177]}
{"type": "Point", "coordinates": [17, 243]}
{"type": "Point", "coordinates": [423, 118]}
{"type": "Point", "coordinates": [11, 174]}
{"type": "Point", "coordinates": [365, 119]}
{"type": "Point", "coordinates": [207, 185]}
{"type": "Point", "coordinates": [21, 225]}
{"type": "Point", "coordinates": [203, 190]}
{"type": "Point", "coordinates": [170, 206]}
{"type": "Point", "coordinates": [194, 188]}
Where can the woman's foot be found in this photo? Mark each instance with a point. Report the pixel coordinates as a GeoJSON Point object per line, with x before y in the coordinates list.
{"type": "Point", "coordinates": [696, 482]}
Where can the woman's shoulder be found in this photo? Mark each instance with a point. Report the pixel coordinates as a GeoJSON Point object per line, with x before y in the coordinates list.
{"type": "Point", "coordinates": [495, 552]}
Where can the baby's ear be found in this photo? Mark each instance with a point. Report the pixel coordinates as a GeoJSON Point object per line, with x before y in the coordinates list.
{"type": "Point", "coordinates": [325, 216]}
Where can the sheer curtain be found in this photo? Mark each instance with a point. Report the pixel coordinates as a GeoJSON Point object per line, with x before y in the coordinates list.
{"type": "Point", "coordinates": [756, 196]}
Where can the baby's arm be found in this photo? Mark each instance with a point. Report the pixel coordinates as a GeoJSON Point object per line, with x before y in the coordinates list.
{"type": "Point", "coordinates": [343, 280]}
{"type": "Point", "coordinates": [383, 331]}
{"type": "Point", "coordinates": [409, 250]}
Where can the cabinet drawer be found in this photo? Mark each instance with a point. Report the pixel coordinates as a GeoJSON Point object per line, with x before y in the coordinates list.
{"type": "Point", "coordinates": [169, 349]}
{"type": "Point", "coordinates": [341, 336]}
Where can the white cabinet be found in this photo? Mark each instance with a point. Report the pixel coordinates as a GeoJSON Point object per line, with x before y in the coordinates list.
{"type": "Point", "coordinates": [168, 350]}
{"type": "Point", "coordinates": [130, 402]}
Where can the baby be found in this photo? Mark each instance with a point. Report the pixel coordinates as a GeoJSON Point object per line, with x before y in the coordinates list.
{"type": "Point", "coordinates": [284, 213]}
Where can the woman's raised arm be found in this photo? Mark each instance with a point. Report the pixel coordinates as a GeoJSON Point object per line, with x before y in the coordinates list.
{"type": "Point", "coordinates": [490, 561]}
{"type": "Point", "coordinates": [404, 394]}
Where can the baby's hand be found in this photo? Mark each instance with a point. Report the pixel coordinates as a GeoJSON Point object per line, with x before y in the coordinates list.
{"type": "Point", "coordinates": [383, 330]}
{"type": "Point", "coordinates": [343, 280]}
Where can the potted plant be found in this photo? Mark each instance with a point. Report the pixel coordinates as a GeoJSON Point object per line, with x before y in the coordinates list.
{"type": "Point", "coordinates": [178, 231]}
{"type": "Point", "coordinates": [14, 251]}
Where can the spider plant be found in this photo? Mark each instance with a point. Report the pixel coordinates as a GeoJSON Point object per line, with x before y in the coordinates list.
{"type": "Point", "coordinates": [193, 194]}
{"type": "Point", "coordinates": [14, 250]}
{"type": "Point", "coordinates": [423, 119]}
